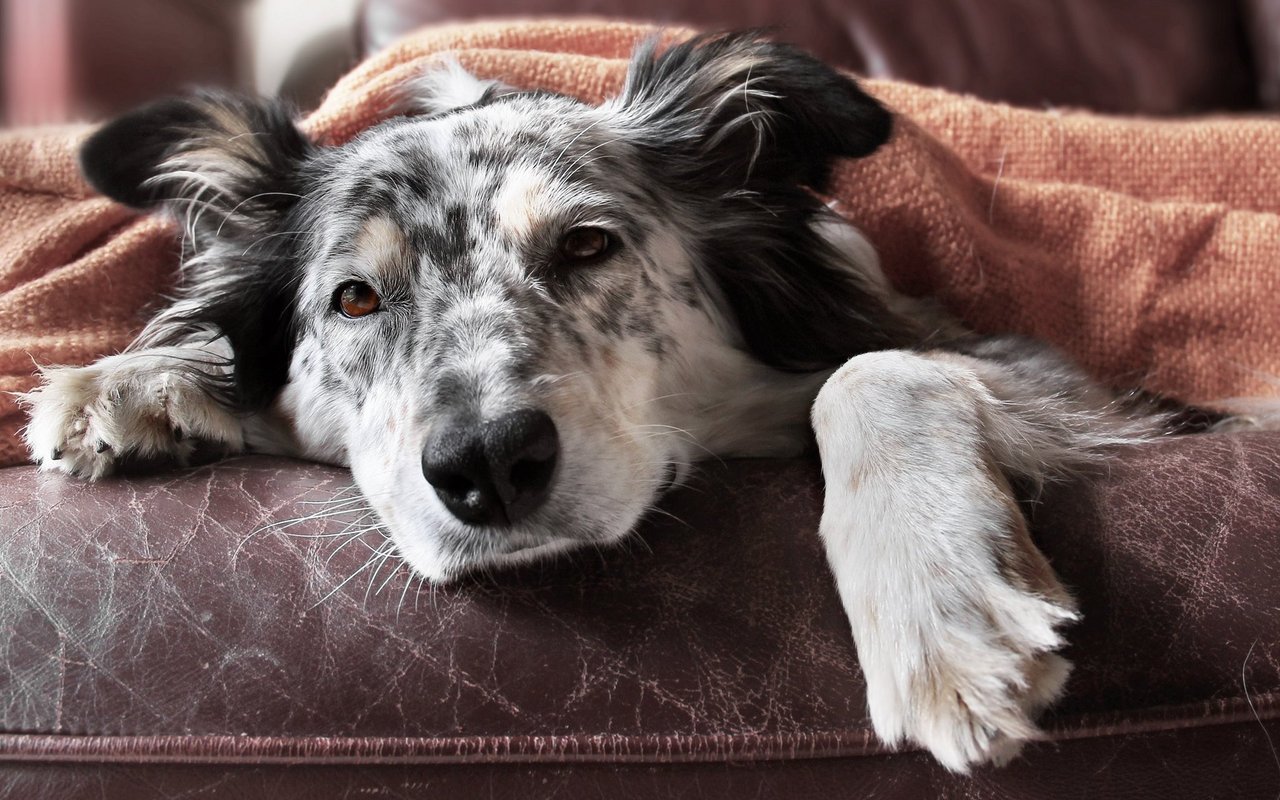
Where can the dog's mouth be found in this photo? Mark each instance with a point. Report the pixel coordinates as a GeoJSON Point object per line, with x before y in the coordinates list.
{"type": "Point", "coordinates": [525, 553]}
{"type": "Point", "coordinates": [666, 481]}
{"type": "Point", "coordinates": [482, 549]}
{"type": "Point", "coordinates": [500, 556]}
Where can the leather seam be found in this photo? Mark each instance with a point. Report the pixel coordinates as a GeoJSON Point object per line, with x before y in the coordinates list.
{"type": "Point", "coordinates": [608, 748]}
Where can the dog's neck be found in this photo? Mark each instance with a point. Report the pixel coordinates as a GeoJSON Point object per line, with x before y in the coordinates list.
{"type": "Point", "coordinates": [731, 405]}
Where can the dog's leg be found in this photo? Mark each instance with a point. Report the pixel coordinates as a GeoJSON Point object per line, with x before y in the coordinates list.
{"type": "Point", "coordinates": [150, 402]}
{"type": "Point", "coordinates": [955, 613]}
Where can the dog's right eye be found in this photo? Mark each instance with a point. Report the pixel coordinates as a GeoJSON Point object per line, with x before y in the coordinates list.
{"type": "Point", "coordinates": [585, 244]}
{"type": "Point", "coordinates": [356, 299]}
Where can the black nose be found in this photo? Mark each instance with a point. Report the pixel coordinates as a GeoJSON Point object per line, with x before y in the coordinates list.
{"type": "Point", "coordinates": [494, 472]}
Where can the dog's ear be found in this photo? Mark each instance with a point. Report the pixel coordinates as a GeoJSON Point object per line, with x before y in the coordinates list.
{"type": "Point", "coordinates": [232, 169]}
{"type": "Point", "coordinates": [742, 129]}
{"type": "Point", "coordinates": [216, 149]}
{"type": "Point", "coordinates": [737, 108]}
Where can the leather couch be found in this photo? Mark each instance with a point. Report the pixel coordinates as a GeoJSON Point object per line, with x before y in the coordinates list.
{"type": "Point", "coordinates": [190, 634]}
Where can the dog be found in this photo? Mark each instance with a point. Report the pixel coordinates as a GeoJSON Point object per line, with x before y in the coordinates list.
{"type": "Point", "coordinates": [519, 318]}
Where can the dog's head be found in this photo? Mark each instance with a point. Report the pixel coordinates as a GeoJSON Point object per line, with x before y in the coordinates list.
{"type": "Point", "coordinates": [515, 315]}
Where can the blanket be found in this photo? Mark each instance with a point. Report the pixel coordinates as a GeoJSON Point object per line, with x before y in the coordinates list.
{"type": "Point", "coordinates": [1147, 250]}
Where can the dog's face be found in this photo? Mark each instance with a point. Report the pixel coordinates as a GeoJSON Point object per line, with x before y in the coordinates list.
{"type": "Point", "coordinates": [516, 316]}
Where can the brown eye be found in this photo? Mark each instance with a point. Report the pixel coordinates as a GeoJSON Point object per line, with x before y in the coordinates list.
{"type": "Point", "coordinates": [356, 299]}
{"type": "Point", "coordinates": [584, 244]}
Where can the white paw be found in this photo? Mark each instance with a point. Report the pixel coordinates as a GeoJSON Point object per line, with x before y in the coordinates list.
{"type": "Point", "coordinates": [968, 684]}
{"type": "Point", "coordinates": [85, 419]}
{"type": "Point", "coordinates": [955, 612]}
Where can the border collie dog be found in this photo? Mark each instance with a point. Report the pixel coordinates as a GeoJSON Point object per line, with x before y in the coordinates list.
{"type": "Point", "coordinates": [518, 318]}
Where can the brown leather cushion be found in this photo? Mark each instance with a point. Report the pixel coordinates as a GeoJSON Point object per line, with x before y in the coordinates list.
{"type": "Point", "coordinates": [148, 607]}
{"type": "Point", "coordinates": [1130, 56]}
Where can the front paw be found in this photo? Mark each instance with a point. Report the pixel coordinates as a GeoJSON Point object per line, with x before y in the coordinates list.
{"type": "Point", "coordinates": [84, 420]}
{"type": "Point", "coordinates": [968, 683]}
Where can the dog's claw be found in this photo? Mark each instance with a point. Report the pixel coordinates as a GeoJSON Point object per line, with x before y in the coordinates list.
{"type": "Point", "coordinates": [56, 455]}
{"type": "Point", "coordinates": [101, 447]}
{"type": "Point", "coordinates": [178, 435]}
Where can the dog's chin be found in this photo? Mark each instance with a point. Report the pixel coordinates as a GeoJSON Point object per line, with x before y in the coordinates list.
{"type": "Point", "coordinates": [494, 550]}
{"type": "Point", "coordinates": [520, 556]}
{"type": "Point", "coordinates": [444, 568]}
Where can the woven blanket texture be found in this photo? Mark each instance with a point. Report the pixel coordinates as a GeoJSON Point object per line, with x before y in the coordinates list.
{"type": "Point", "coordinates": [1147, 250]}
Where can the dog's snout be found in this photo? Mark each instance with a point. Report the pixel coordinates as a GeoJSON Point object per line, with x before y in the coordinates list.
{"type": "Point", "coordinates": [493, 472]}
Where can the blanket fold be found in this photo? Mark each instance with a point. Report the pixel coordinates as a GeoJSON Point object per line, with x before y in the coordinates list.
{"type": "Point", "coordinates": [1147, 250]}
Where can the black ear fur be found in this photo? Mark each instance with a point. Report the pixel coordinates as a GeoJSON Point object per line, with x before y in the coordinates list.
{"type": "Point", "coordinates": [744, 101]}
{"type": "Point", "coordinates": [121, 156]}
{"type": "Point", "coordinates": [744, 131]}
{"type": "Point", "coordinates": [127, 158]}
{"type": "Point", "coordinates": [231, 169]}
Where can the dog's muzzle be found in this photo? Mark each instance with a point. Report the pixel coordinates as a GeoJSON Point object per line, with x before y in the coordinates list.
{"type": "Point", "coordinates": [492, 472]}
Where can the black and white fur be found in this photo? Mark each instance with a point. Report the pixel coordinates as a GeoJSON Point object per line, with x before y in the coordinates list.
{"type": "Point", "coordinates": [732, 315]}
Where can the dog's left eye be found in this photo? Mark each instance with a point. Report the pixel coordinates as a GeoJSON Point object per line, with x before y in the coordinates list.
{"type": "Point", "coordinates": [356, 299]}
{"type": "Point", "coordinates": [585, 244]}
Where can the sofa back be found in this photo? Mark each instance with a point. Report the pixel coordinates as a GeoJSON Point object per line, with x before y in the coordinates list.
{"type": "Point", "coordinates": [1124, 56]}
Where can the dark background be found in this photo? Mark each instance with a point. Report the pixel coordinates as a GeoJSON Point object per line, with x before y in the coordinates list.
{"type": "Point", "coordinates": [74, 59]}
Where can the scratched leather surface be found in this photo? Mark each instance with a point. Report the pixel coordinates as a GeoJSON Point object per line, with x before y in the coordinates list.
{"type": "Point", "coordinates": [149, 606]}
